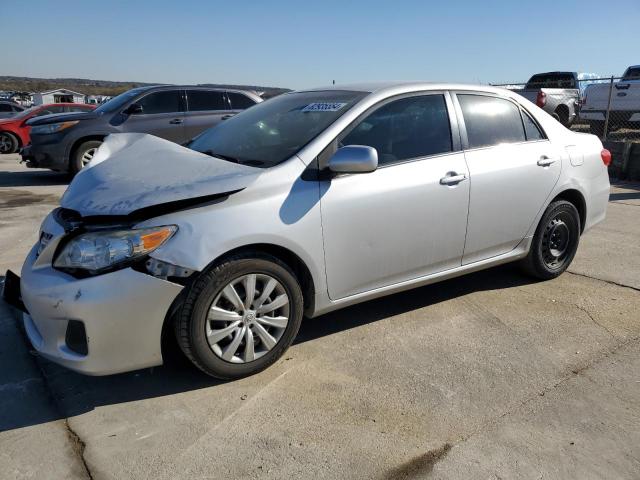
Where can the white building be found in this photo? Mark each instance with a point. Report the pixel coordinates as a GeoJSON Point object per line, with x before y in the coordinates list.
{"type": "Point", "coordinates": [60, 95]}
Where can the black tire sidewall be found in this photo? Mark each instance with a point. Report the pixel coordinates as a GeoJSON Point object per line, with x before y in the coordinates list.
{"type": "Point", "coordinates": [541, 268]}
{"type": "Point", "coordinates": [76, 160]}
{"type": "Point", "coordinates": [14, 142]}
{"type": "Point", "coordinates": [208, 287]}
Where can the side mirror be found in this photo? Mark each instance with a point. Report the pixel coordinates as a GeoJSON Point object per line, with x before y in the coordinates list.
{"type": "Point", "coordinates": [354, 159]}
{"type": "Point", "coordinates": [133, 109]}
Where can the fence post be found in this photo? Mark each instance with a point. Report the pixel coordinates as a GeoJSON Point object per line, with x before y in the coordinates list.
{"type": "Point", "coordinates": [606, 119]}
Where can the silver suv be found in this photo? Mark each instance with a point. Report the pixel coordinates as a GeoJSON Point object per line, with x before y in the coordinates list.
{"type": "Point", "coordinates": [303, 204]}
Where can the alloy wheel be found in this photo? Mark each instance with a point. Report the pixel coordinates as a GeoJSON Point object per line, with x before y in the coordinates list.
{"type": "Point", "coordinates": [6, 144]}
{"type": "Point", "coordinates": [247, 318]}
{"type": "Point", "coordinates": [87, 156]}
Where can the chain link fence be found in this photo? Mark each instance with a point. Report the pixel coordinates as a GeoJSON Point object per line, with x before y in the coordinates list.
{"type": "Point", "coordinates": [608, 107]}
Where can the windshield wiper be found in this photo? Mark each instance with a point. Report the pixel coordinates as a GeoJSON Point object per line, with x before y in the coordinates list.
{"type": "Point", "coordinates": [223, 157]}
{"type": "Point", "coordinates": [252, 163]}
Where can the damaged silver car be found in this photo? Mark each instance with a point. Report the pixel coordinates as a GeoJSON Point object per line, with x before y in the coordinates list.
{"type": "Point", "coordinates": [303, 204]}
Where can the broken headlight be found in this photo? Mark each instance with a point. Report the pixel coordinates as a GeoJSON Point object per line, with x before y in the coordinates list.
{"type": "Point", "coordinates": [97, 251]}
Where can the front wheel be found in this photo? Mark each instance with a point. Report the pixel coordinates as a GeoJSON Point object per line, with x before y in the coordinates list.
{"type": "Point", "coordinates": [240, 316]}
{"type": "Point", "coordinates": [83, 155]}
{"type": "Point", "coordinates": [555, 242]}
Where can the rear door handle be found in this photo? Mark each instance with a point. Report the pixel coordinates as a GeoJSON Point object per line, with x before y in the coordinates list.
{"type": "Point", "coordinates": [175, 121]}
{"type": "Point", "coordinates": [545, 161]}
{"type": "Point", "coordinates": [452, 178]}
{"type": "Point", "coordinates": [226, 117]}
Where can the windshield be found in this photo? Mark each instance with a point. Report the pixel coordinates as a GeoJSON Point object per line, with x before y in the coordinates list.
{"type": "Point", "coordinates": [25, 113]}
{"type": "Point", "coordinates": [632, 73]}
{"type": "Point", "coordinates": [271, 132]}
{"type": "Point", "coordinates": [117, 102]}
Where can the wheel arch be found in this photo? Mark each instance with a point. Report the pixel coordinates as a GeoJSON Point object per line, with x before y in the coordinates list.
{"type": "Point", "coordinates": [290, 258]}
{"type": "Point", "coordinates": [79, 141]}
{"type": "Point", "coordinates": [576, 198]}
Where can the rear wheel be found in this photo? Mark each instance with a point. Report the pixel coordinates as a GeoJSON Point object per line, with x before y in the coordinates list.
{"type": "Point", "coordinates": [555, 242]}
{"type": "Point", "coordinates": [562, 114]}
{"type": "Point", "coordinates": [8, 143]}
{"type": "Point", "coordinates": [83, 155]}
{"type": "Point", "coordinates": [240, 316]}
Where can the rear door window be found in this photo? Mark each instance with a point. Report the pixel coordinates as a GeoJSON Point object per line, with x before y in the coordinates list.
{"type": "Point", "coordinates": [490, 120]}
{"type": "Point", "coordinates": [167, 101]}
{"type": "Point", "coordinates": [203, 100]}
{"type": "Point", "coordinates": [239, 101]}
{"type": "Point", "coordinates": [404, 129]}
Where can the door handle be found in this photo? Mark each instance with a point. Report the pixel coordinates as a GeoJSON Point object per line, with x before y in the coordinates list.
{"type": "Point", "coordinates": [452, 178]}
{"type": "Point", "coordinates": [175, 121]}
{"type": "Point", "coordinates": [545, 161]}
{"type": "Point", "coordinates": [226, 117]}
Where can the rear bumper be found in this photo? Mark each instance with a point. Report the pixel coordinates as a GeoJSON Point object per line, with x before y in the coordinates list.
{"type": "Point", "coordinates": [122, 313]}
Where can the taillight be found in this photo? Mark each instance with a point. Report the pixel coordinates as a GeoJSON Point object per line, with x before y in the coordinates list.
{"type": "Point", "coordinates": [541, 99]}
{"type": "Point", "coordinates": [606, 156]}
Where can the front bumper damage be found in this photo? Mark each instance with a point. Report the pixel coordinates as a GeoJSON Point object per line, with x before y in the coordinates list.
{"type": "Point", "coordinates": [120, 314]}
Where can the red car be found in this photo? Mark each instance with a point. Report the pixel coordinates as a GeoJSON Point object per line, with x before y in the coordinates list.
{"type": "Point", "coordinates": [14, 131]}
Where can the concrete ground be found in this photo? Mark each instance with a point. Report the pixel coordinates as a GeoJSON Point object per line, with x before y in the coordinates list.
{"type": "Point", "coordinates": [487, 376]}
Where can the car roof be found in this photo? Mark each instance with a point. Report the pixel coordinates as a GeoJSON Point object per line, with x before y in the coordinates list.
{"type": "Point", "coordinates": [393, 87]}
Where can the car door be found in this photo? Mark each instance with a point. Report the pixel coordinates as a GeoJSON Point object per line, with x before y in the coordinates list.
{"type": "Point", "coordinates": [205, 109]}
{"type": "Point", "coordinates": [162, 115]}
{"type": "Point", "coordinates": [408, 218]}
{"type": "Point", "coordinates": [513, 168]}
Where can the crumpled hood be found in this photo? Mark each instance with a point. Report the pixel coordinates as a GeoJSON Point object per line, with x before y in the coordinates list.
{"type": "Point", "coordinates": [132, 171]}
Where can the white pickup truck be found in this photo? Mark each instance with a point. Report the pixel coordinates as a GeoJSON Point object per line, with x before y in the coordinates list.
{"type": "Point", "coordinates": [624, 110]}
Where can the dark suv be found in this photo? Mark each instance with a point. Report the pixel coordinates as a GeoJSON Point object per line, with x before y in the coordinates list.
{"type": "Point", "coordinates": [68, 142]}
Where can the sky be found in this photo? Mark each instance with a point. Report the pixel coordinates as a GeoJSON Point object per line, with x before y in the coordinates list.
{"type": "Point", "coordinates": [301, 44]}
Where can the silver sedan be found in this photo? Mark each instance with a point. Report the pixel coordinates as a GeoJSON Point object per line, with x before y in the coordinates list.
{"type": "Point", "coordinates": [303, 204]}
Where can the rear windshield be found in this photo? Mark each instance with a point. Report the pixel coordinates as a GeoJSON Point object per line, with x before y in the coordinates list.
{"type": "Point", "coordinates": [632, 73]}
{"type": "Point", "coordinates": [552, 80]}
{"type": "Point", "coordinates": [270, 132]}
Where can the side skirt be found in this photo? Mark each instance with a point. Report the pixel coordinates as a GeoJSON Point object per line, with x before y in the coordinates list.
{"type": "Point", "coordinates": [325, 305]}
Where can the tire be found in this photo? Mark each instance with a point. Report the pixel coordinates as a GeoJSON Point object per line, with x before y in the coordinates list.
{"type": "Point", "coordinates": [562, 114]}
{"type": "Point", "coordinates": [8, 143]}
{"type": "Point", "coordinates": [201, 337]}
{"type": "Point", "coordinates": [597, 128]}
{"type": "Point", "coordinates": [555, 242]}
{"type": "Point", "coordinates": [82, 155]}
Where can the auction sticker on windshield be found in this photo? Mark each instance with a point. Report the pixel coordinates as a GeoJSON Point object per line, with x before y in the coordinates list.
{"type": "Point", "coordinates": [323, 107]}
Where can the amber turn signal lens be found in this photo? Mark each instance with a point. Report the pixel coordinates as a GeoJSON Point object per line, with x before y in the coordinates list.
{"type": "Point", "coordinates": [155, 239]}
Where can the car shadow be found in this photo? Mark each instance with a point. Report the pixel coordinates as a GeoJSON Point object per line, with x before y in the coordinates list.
{"type": "Point", "coordinates": [75, 394]}
{"type": "Point", "coordinates": [632, 195]}
{"type": "Point", "coordinates": [33, 178]}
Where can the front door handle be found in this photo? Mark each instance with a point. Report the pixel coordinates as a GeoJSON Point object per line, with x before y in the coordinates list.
{"type": "Point", "coordinates": [452, 178]}
{"type": "Point", "coordinates": [175, 121]}
{"type": "Point", "coordinates": [226, 117]}
{"type": "Point", "coordinates": [545, 161]}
